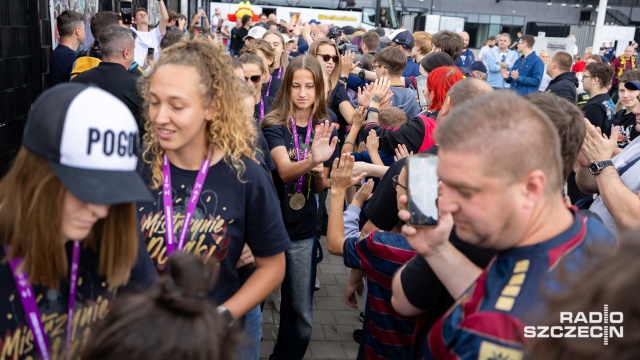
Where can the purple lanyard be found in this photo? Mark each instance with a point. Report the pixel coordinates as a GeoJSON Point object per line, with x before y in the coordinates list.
{"type": "Point", "coordinates": [280, 72]}
{"type": "Point", "coordinates": [296, 143]}
{"type": "Point", "coordinates": [261, 110]}
{"type": "Point", "coordinates": [27, 297]}
{"type": "Point", "coordinates": [269, 86]}
{"type": "Point", "coordinates": [191, 207]}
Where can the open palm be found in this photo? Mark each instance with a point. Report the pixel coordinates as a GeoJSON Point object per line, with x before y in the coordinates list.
{"type": "Point", "coordinates": [323, 146]}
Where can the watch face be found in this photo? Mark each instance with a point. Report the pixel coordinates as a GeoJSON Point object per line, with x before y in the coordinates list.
{"type": "Point", "coordinates": [594, 167]}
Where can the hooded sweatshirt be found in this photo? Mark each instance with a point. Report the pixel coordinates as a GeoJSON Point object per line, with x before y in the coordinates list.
{"type": "Point", "coordinates": [565, 86]}
{"type": "Point", "coordinates": [405, 99]}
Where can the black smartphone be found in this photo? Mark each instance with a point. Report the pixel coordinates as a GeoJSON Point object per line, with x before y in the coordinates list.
{"type": "Point", "coordinates": [125, 12]}
{"type": "Point", "coordinates": [422, 189]}
{"type": "Point", "coordinates": [150, 51]}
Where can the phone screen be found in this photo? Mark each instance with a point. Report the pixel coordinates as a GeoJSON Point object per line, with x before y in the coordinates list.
{"type": "Point", "coordinates": [150, 51]}
{"type": "Point", "coordinates": [125, 12]}
{"type": "Point", "coordinates": [421, 82]}
{"type": "Point", "coordinates": [422, 188]}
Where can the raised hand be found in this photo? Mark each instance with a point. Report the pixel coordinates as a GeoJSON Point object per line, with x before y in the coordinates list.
{"type": "Point", "coordinates": [323, 145]}
{"type": "Point", "coordinates": [363, 194]}
{"type": "Point", "coordinates": [380, 89]}
{"type": "Point", "coordinates": [372, 141]}
{"type": "Point", "coordinates": [426, 240]}
{"type": "Point", "coordinates": [347, 63]}
{"type": "Point", "coordinates": [359, 118]}
{"type": "Point", "coordinates": [597, 146]}
{"type": "Point", "coordinates": [342, 173]}
{"type": "Point", "coordinates": [401, 152]}
{"type": "Point", "coordinates": [364, 96]}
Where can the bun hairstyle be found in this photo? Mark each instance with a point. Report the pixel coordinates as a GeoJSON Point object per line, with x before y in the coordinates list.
{"type": "Point", "coordinates": [176, 319]}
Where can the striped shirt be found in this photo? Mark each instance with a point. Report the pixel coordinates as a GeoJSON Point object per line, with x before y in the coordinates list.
{"type": "Point", "coordinates": [387, 335]}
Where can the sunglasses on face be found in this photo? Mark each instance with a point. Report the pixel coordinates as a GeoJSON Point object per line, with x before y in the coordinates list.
{"type": "Point", "coordinates": [326, 58]}
{"type": "Point", "coordinates": [254, 79]}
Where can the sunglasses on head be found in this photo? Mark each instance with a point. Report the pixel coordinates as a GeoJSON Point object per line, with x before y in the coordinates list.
{"type": "Point", "coordinates": [326, 58]}
{"type": "Point", "coordinates": [254, 79]}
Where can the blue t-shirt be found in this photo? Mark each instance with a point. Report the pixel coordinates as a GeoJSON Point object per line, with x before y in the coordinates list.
{"type": "Point", "coordinates": [226, 217]}
{"type": "Point", "coordinates": [490, 317]}
{"type": "Point", "coordinates": [465, 59]}
{"type": "Point", "coordinates": [61, 64]}
{"type": "Point", "coordinates": [387, 334]}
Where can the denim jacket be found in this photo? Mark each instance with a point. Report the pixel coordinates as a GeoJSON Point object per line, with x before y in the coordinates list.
{"type": "Point", "coordinates": [530, 72]}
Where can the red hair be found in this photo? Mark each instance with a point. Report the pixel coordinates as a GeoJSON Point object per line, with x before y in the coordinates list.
{"type": "Point", "coordinates": [439, 82]}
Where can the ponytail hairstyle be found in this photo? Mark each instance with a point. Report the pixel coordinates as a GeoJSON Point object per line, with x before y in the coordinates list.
{"type": "Point", "coordinates": [228, 129]}
{"type": "Point", "coordinates": [282, 108]}
{"type": "Point", "coordinates": [176, 318]}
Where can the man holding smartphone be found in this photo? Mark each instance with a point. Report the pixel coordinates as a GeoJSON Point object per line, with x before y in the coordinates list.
{"type": "Point", "coordinates": [145, 36]}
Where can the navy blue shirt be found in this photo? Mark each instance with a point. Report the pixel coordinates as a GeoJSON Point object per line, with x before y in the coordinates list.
{"type": "Point", "coordinates": [511, 293]}
{"type": "Point", "coordinates": [300, 224]}
{"type": "Point", "coordinates": [465, 59]}
{"type": "Point", "coordinates": [92, 304]}
{"type": "Point", "coordinates": [412, 68]}
{"type": "Point", "coordinates": [61, 64]}
{"type": "Point", "coordinates": [226, 217]}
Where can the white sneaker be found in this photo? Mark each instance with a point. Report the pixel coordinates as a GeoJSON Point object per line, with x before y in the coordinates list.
{"type": "Point", "coordinates": [276, 298]}
{"type": "Point", "coordinates": [317, 286]}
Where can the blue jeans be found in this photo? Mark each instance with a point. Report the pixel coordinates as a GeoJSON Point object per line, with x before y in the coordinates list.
{"type": "Point", "coordinates": [249, 347]}
{"type": "Point", "coordinates": [296, 317]}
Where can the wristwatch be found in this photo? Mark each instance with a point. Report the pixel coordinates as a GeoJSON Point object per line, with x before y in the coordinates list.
{"type": "Point", "coordinates": [361, 74]}
{"type": "Point", "coordinates": [595, 168]}
{"type": "Point", "coordinates": [226, 315]}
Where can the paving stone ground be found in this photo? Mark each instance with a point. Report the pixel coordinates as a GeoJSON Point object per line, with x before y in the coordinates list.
{"type": "Point", "coordinates": [333, 321]}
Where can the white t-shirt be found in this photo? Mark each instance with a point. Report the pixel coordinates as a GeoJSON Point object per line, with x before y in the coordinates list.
{"type": "Point", "coordinates": [144, 41]}
{"type": "Point", "coordinates": [483, 53]}
{"type": "Point", "coordinates": [631, 178]}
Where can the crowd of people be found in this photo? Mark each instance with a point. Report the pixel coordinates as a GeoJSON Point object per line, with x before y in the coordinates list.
{"type": "Point", "coordinates": [188, 178]}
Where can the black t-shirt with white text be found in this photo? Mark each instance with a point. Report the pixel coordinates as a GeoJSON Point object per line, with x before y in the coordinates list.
{"type": "Point", "coordinates": [300, 224]}
{"type": "Point", "coordinates": [627, 121]}
{"type": "Point", "coordinates": [229, 213]}
{"type": "Point", "coordinates": [599, 111]}
{"type": "Point", "coordinates": [92, 304]}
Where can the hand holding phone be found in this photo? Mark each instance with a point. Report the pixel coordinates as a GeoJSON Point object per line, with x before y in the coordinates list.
{"type": "Point", "coordinates": [126, 12]}
{"type": "Point", "coordinates": [422, 189]}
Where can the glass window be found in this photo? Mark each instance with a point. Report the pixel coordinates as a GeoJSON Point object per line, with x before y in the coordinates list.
{"type": "Point", "coordinates": [496, 19]}
{"type": "Point", "coordinates": [507, 20]}
{"type": "Point", "coordinates": [484, 19]}
{"type": "Point", "coordinates": [472, 18]}
{"type": "Point", "coordinates": [518, 20]}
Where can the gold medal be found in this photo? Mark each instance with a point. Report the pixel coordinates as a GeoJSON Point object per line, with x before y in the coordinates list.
{"type": "Point", "coordinates": [297, 201]}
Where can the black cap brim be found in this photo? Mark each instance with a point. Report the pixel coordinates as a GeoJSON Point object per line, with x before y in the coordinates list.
{"type": "Point", "coordinates": [632, 85]}
{"type": "Point", "coordinates": [103, 187]}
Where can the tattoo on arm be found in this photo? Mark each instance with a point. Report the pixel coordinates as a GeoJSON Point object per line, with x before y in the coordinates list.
{"type": "Point", "coordinates": [372, 116]}
{"type": "Point", "coordinates": [376, 98]}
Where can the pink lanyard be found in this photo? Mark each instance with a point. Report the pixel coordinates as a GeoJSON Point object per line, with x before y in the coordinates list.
{"type": "Point", "coordinates": [280, 72]}
{"type": "Point", "coordinates": [296, 143]}
{"type": "Point", "coordinates": [261, 110]}
{"type": "Point", "coordinates": [27, 297]}
{"type": "Point", "coordinates": [191, 207]}
{"type": "Point", "coordinates": [269, 86]}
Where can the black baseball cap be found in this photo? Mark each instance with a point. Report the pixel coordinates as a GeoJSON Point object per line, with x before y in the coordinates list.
{"type": "Point", "coordinates": [479, 66]}
{"type": "Point", "coordinates": [90, 139]}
